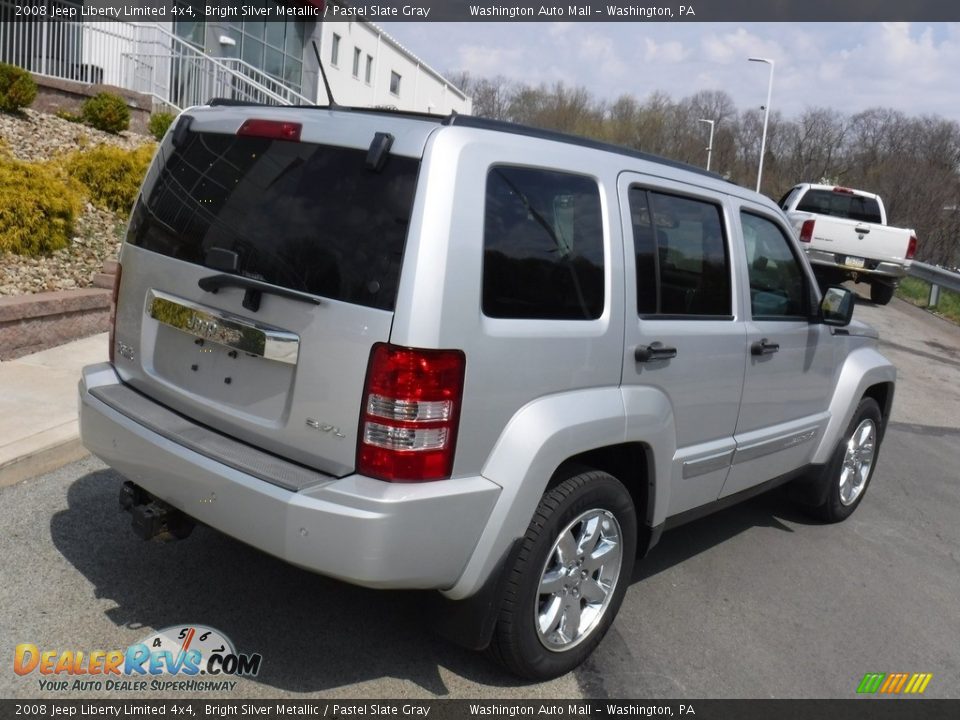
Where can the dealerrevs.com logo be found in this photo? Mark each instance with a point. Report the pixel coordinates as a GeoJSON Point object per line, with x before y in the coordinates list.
{"type": "Point", "coordinates": [182, 657]}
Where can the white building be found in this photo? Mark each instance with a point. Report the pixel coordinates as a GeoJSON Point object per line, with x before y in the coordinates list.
{"type": "Point", "coordinates": [187, 62]}
{"type": "Point", "coordinates": [366, 67]}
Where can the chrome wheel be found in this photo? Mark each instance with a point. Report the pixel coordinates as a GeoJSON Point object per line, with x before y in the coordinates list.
{"type": "Point", "coordinates": [858, 461]}
{"type": "Point", "coordinates": [578, 580]}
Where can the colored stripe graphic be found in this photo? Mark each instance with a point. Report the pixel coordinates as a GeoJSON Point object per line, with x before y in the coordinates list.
{"type": "Point", "coordinates": [871, 682]}
{"type": "Point", "coordinates": [895, 683]}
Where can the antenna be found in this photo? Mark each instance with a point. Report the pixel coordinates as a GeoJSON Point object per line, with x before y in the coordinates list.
{"type": "Point", "coordinates": [326, 84]}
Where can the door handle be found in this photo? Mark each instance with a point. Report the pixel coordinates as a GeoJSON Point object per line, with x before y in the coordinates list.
{"type": "Point", "coordinates": [764, 347]}
{"type": "Point", "coordinates": [861, 229]}
{"type": "Point", "coordinates": [654, 351]}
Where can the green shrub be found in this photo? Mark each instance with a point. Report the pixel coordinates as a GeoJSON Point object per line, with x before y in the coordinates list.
{"type": "Point", "coordinates": [106, 112]}
{"type": "Point", "coordinates": [38, 205]}
{"type": "Point", "coordinates": [17, 88]}
{"type": "Point", "coordinates": [159, 124]}
{"type": "Point", "coordinates": [111, 175]}
{"type": "Point", "coordinates": [69, 116]}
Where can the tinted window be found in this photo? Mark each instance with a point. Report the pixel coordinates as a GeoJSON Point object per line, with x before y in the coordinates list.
{"type": "Point", "coordinates": [681, 257]}
{"type": "Point", "coordinates": [303, 216]}
{"type": "Point", "coordinates": [788, 198]}
{"type": "Point", "coordinates": [543, 245]}
{"type": "Point", "coordinates": [778, 285]}
{"type": "Point", "coordinates": [841, 204]}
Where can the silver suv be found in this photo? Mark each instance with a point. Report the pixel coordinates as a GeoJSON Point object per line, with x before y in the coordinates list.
{"type": "Point", "coordinates": [451, 353]}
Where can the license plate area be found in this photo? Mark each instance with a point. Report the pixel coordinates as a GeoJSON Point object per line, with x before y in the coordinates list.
{"type": "Point", "coordinates": [854, 261]}
{"type": "Point", "coordinates": [223, 329]}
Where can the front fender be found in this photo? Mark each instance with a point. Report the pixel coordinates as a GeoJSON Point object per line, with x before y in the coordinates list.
{"type": "Point", "coordinates": [537, 440]}
{"type": "Point", "coordinates": [863, 368]}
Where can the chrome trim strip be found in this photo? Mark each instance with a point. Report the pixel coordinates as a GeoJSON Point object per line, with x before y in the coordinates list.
{"type": "Point", "coordinates": [223, 328]}
{"type": "Point", "coordinates": [702, 466]}
{"type": "Point", "coordinates": [775, 445]}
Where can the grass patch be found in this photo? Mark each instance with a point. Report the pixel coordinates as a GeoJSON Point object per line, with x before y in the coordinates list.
{"type": "Point", "coordinates": [917, 292]}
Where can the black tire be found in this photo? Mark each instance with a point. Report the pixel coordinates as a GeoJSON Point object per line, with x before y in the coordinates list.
{"type": "Point", "coordinates": [881, 293]}
{"type": "Point", "coordinates": [835, 508]}
{"type": "Point", "coordinates": [517, 643]}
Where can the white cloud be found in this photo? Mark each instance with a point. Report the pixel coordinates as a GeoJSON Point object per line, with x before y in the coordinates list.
{"type": "Point", "coordinates": [598, 51]}
{"type": "Point", "coordinates": [669, 52]}
{"type": "Point", "coordinates": [738, 45]}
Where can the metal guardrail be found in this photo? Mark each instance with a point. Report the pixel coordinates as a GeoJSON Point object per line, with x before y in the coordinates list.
{"type": "Point", "coordinates": [937, 277]}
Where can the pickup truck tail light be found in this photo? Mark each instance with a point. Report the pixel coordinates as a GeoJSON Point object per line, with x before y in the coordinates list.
{"type": "Point", "coordinates": [912, 247]}
{"type": "Point", "coordinates": [112, 337]}
{"type": "Point", "coordinates": [806, 231]}
{"type": "Point", "coordinates": [410, 413]}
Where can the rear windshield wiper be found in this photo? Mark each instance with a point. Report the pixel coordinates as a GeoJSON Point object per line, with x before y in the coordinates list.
{"type": "Point", "coordinates": [254, 289]}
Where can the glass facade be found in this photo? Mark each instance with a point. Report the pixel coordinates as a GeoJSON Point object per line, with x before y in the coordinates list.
{"type": "Point", "coordinates": [274, 47]}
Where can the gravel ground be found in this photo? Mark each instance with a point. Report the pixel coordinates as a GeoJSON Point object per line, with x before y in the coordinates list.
{"type": "Point", "coordinates": [37, 136]}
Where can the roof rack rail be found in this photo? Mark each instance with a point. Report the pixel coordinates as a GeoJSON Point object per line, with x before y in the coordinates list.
{"type": "Point", "coordinates": [481, 123]}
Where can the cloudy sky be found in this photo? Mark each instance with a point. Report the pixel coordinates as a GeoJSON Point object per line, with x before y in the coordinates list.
{"type": "Point", "coordinates": [847, 66]}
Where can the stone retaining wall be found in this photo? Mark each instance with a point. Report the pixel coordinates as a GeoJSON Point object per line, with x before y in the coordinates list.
{"type": "Point", "coordinates": [30, 323]}
{"type": "Point", "coordinates": [54, 94]}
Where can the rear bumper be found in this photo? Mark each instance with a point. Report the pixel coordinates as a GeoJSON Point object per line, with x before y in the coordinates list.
{"type": "Point", "coordinates": [363, 531]}
{"type": "Point", "coordinates": [875, 268]}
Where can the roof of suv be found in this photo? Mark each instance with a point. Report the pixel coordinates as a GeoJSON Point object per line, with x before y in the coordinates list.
{"type": "Point", "coordinates": [481, 123]}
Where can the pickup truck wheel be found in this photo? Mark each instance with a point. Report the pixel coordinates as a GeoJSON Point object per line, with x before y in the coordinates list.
{"type": "Point", "coordinates": [881, 293]}
{"type": "Point", "coordinates": [849, 471]}
{"type": "Point", "coordinates": [569, 577]}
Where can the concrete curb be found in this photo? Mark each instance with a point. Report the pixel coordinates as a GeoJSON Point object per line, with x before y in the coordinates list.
{"type": "Point", "coordinates": [39, 428]}
{"type": "Point", "coordinates": [42, 460]}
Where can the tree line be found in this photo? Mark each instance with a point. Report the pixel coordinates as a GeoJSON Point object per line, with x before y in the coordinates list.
{"type": "Point", "coordinates": [913, 163]}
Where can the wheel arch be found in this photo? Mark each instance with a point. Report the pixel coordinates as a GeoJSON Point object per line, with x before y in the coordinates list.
{"type": "Point", "coordinates": [549, 437]}
{"type": "Point", "coordinates": [865, 373]}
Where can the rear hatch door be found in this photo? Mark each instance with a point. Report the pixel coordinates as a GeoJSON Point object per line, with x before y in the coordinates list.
{"type": "Point", "coordinates": [259, 271]}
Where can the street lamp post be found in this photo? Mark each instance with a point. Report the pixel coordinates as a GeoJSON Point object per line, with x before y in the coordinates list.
{"type": "Point", "coordinates": [710, 144]}
{"type": "Point", "coordinates": [766, 116]}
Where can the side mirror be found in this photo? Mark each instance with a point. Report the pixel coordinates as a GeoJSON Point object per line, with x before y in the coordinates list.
{"type": "Point", "coordinates": [836, 307]}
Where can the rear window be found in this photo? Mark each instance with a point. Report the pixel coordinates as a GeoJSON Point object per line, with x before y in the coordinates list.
{"type": "Point", "coordinates": [838, 204]}
{"type": "Point", "coordinates": [302, 216]}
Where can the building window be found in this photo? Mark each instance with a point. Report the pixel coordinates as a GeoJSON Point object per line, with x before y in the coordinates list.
{"type": "Point", "coordinates": [356, 62]}
{"type": "Point", "coordinates": [369, 73]}
{"type": "Point", "coordinates": [395, 83]}
{"type": "Point", "coordinates": [335, 50]}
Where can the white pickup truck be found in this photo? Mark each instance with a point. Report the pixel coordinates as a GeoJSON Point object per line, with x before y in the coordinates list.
{"type": "Point", "coordinates": [845, 235]}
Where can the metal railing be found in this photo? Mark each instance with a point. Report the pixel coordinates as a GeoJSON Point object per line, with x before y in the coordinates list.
{"type": "Point", "coordinates": [937, 277]}
{"type": "Point", "coordinates": [145, 58]}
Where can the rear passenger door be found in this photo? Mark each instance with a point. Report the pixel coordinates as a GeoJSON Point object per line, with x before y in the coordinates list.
{"type": "Point", "coordinates": [790, 366]}
{"type": "Point", "coordinates": [684, 335]}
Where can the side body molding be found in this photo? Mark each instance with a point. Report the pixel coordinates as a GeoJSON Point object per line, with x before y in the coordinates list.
{"type": "Point", "coordinates": [863, 368]}
{"type": "Point", "coordinates": [541, 436]}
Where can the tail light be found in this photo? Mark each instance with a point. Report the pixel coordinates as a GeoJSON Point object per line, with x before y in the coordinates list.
{"type": "Point", "coordinates": [410, 413]}
{"type": "Point", "coordinates": [111, 352]}
{"type": "Point", "coordinates": [806, 231]}
{"type": "Point", "coordinates": [271, 129]}
{"type": "Point", "coordinates": [912, 247]}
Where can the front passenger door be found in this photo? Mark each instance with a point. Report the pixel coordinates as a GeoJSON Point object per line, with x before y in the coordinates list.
{"type": "Point", "coordinates": [790, 361]}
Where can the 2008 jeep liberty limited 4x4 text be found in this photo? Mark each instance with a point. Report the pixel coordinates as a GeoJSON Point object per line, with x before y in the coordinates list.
{"type": "Point", "coordinates": [459, 354]}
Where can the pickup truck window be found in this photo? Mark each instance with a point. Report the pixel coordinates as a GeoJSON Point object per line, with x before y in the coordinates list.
{"type": "Point", "coordinates": [778, 287]}
{"type": "Point", "coordinates": [542, 245]}
{"type": "Point", "coordinates": [681, 257]}
{"type": "Point", "coordinates": [840, 204]}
